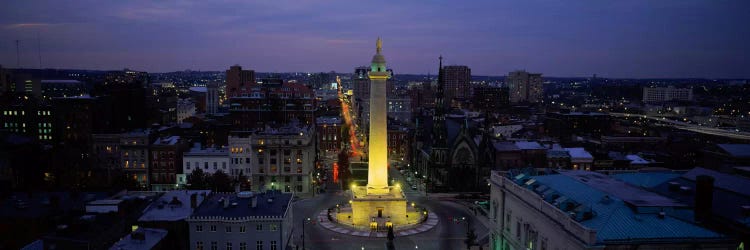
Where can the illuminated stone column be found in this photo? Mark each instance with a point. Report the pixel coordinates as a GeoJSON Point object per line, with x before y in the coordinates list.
{"type": "Point", "coordinates": [377, 175]}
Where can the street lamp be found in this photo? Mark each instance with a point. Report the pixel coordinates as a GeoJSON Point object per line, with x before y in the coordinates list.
{"type": "Point", "coordinates": [304, 221]}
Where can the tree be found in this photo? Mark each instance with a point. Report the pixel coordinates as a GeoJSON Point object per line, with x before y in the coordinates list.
{"type": "Point", "coordinates": [121, 181]}
{"type": "Point", "coordinates": [344, 173]}
{"type": "Point", "coordinates": [221, 182]}
{"type": "Point", "coordinates": [197, 179]}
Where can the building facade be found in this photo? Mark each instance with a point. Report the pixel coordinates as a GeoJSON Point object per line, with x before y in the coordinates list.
{"type": "Point", "coordinates": [165, 163]}
{"type": "Point", "coordinates": [238, 80]}
{"type": "Point", "coordinates": [328, 130]}
{"type": "Point", "coordinates": [665, 94]}
{"type": "Point", "coordinates": [285, 159]}
{"type": "Point", "coordinates": [212, 98]}
{"type": "Point", "coordinates": [262, 104]}
{"type": "Point", "coordinates": [134, 156]}
{"type": "Point", "coordinates": [524, 87]}
{"type": "Point", "coordinates": [574, 210]}
{"type": "Point", "coordinates": [209, 160]}
{"type": "Point", "coordinates": [240, 154]}
{"type": "Point", "coordinates": [244, 220]}
{"type": "Point", "coordinates": [457, 80]}
{"type": "Point", "coordinates": [490, 98]}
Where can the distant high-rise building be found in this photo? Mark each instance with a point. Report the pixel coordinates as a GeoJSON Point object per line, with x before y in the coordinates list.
{"type": "Point", "coordinates": [239, 80]}
{"type": "Point", "coordinates": [361, 85]}
{"type": "Point", "coordinates": [524, 86]}
{"type": "Point", "coordinates": [212, 98]}
{"type": "Point", "coordinates": [456, 80]}
{"type": "Point", "coordinates": [657, 95]}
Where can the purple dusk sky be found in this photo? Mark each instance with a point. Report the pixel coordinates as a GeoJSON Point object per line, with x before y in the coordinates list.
{"type": "Point", "coordinates": [628, 38]}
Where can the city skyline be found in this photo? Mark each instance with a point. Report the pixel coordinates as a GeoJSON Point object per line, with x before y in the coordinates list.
{"type": "Point", "coordinates": [634, 39]}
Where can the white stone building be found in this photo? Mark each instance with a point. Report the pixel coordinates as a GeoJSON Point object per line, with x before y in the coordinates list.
{"type": "Point", "coordinates": [209, 160]}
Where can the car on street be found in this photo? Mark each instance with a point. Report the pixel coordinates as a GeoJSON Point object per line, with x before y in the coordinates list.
{"type": "Point", "coordinates": [413, 187]}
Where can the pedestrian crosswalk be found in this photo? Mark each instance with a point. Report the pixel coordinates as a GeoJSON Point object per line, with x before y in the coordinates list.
{"type": "Point", "coordinates": [431, 222]}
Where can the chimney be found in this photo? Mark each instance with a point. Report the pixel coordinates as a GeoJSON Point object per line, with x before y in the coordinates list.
{"type": "Point", "coordinates": [194, 200]}
{"type": "Point", "coordinates": [704, 196]}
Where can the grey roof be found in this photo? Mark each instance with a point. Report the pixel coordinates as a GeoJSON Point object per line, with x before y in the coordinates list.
{"type": "Point", "coordinates": [615, 216]}
{"type": "Point", "coordinates": [164, 209]}
{"type": "Point", "coordinates": [721, 180]}
{"type": "Point", "coordinates": [529, 145]}
{"type": "Point", "coordinates": [736, 150]}
{"type": "Point", "coordinates": [269, 203]}
{"type": "Point", "coordinates": [505, 146]}
{"type": "Point", "coordinates": [39, 204]}
{"type": "Point", "coordinates": [557, 154]}
{"type": "Point", "coordinates": [730, 193]}
{"type": "Point", "coordinates": [152, 237]}
{"type": "Point", "coordinates": [622, 190]}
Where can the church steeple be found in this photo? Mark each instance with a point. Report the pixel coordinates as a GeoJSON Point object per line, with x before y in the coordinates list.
{"type": "Point", "coordinates": [439, 135]}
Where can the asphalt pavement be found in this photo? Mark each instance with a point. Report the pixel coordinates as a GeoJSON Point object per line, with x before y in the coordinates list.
{"type": "Point", "coordinates": [448, 234]}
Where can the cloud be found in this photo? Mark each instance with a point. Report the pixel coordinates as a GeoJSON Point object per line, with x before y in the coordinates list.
{"type": "Point", "coordinates": [31, 25]}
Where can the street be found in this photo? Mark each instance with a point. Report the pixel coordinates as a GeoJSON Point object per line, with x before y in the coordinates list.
{"type": "Point", "coordinates": [446, 235]}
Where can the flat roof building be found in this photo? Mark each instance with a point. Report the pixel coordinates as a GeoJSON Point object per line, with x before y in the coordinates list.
{"type": "Point", "coordinates": [244, 220]}
{"type": "Point", "coordinates": [587, 210]}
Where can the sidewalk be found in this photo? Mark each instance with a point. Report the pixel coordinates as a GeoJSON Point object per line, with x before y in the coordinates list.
{"type": "Point", "coordinates": [431, 222]}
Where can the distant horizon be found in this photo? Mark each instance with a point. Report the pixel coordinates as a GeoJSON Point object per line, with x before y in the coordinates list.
{"type": "Point", "coordinates": [396, 73]}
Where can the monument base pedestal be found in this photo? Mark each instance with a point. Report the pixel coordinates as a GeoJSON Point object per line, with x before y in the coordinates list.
{"type": "Point", "coordinates": [391, 206]}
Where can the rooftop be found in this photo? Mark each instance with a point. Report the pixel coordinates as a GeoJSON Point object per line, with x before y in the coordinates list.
{"type": "Point", "coordinates": [529, 145]}
{"type": "Point", "coordinates": [736, 150]}
{"type": "Point", "coordinates": [557, 154]}
{"type": "Point", "coordinates": [505, 146]}
{"type": "Point", "coordinates": [635, 159]}
{"type": "Point", "coordinates": [167, 209]}
{"type": "Point", "coordinates": [646, 180]}
{"type": "Point", "coordinates": [579, 153]}
{"type": "Point", "coordinates": [172, 140]}
{"type": "Point", "coordinates": [32, 205]}
{"type": "Point", "coordinates": [268, 204]}
{"type": "Point", "coordinates": [152, 237]}
{"type": "Point", "coordinates": [616, 210]}
{"type": "Point", "coordinates": [219, 152]}
{"type": "Point", "coordinates": [328, 120]}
